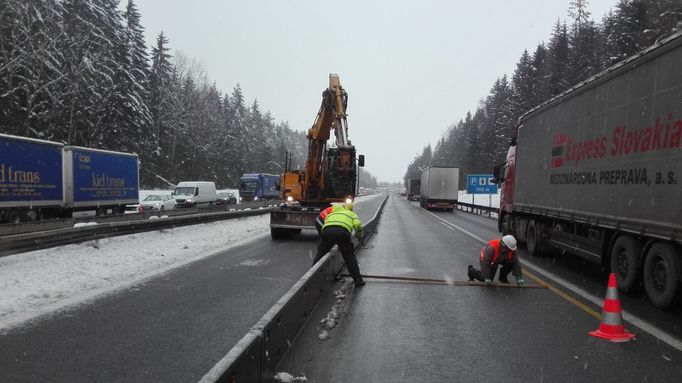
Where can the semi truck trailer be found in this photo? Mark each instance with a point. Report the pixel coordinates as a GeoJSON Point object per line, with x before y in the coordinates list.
{"type": "Point", "coordinates": [597, 172]}
{"type": "Point", "coordinates": [43, 179]}
{"type": "Point", "coordinates": [439, 187]}
{"type": "Point", "coordinates": [413, 189]}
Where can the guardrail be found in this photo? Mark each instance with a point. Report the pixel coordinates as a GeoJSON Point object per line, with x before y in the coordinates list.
{"type": "Point", "coordinates": [52, 224]}
{"type": "Point", "coordinates": [489, 211]}
{"type": "Point", "coordinates": [255, 357]}
{"type": "Point", "coordinates": [17, 243]}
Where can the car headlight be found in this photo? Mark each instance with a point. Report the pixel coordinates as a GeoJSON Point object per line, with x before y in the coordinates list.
{"type": "Point", "coordinates": [255, 198]}
{"type": "Point", "coordinates": [290, 199]}
{"type": "Point", "coordinates": [190, 200]}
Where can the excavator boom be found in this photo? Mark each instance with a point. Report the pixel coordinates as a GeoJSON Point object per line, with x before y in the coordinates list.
{"type": "Point", "coordinates": [330, 173]}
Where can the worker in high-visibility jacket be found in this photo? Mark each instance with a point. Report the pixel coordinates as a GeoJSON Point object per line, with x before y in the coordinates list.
{"type": "Point", "coordinates": [337, 229]}
{"type": "Point", "coordinates": [498, 252]}
{"type": "Point", "coordinates": [319, 220]}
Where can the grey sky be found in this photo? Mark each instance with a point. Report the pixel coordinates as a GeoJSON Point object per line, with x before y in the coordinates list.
{"type": "Point", "coordinates": [410, 68]}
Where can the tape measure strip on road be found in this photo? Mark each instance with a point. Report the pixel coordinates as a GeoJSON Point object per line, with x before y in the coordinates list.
{"type": "Point", "coordinates": [636, 321]}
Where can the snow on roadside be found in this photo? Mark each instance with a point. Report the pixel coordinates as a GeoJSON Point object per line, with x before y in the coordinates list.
{"type": "Point", "coordinates": [40, 282]}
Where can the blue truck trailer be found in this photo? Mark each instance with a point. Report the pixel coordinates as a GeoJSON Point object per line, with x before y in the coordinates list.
{"type": "Point", "coordinates": [258, 187]}
{"type": "Point", "coordinates": [43, 179]}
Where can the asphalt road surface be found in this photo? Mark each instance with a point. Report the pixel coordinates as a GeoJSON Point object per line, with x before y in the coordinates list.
{"type": "Point", "coordinates": [414, 332]}
{"type": "Point", "coordinates": [172, 328]}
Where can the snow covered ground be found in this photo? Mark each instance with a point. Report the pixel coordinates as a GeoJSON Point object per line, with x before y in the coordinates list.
{"type": "Point", "coordinates": [40, 282]}
{"type": "Point", "coordinates": [492, 200]}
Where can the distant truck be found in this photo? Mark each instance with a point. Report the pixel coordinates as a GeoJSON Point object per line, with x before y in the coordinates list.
{"type": "Point", "coordinates": [597, 172]}
{"type": "Point", "coordinates": [258, 187]}
{"type": "Point", "coordinates": [43, 179]}
{"type": "Point", "coordinates": [413, 189]}
{"type": "Point", "coordinates": [195, 193]}
{"type": "Point", "coordinates": [439, 187]}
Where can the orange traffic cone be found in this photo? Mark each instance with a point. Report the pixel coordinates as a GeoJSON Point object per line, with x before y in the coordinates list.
{"type": "Point", "coordinates": [611, 326]}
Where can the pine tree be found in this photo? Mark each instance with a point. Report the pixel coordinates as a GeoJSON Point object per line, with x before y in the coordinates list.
{"type": "Point", "coordinates": [624, 31]}
{"type": "Point", "coordinates": [137, 118]}
{"type": "Point", "coordinates": [541, 76]}
{"type": "Point", "coordinates": [31, 78]}
{"type": "Point", "coordinates": [558, 60]}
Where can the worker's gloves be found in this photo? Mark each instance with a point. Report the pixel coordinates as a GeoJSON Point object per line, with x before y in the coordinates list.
{"type": "Point", "coordinates": [359, 236]}
{"type": "Point", "coordinates": [520, 282]}
{"type": "Point", "coordinates": [488, 282]}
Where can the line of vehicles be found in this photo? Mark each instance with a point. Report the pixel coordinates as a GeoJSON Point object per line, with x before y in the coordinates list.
{"type": "Point", "coordinates": [42, 179]}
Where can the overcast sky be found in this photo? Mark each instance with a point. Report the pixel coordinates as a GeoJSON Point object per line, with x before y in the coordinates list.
{"type": "Point", "coordinates": [411, 68]}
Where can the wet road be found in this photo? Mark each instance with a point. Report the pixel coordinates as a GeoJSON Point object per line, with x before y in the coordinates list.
{"type": "Point", "coordinates": [410, 332]}
{"type": "Point", "coordinates": [172, 328]}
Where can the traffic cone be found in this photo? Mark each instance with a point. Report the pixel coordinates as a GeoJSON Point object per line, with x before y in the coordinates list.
{"type": "Point", "coordinates": [611, 326]}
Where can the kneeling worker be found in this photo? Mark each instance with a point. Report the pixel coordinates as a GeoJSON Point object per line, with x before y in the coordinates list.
{"type": "Point", "coordinates": [338, 226]}
{"type": "Point", "coordinates": [498, 252]}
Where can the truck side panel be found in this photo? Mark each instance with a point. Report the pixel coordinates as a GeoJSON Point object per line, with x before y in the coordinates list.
{"type": "Point", "coordinates": [30, 172]}
{"type": "Point", "coordinates": [611, 154]}
{"type": "Point", "coordinates": [102, 178]}
{"type": "Point", "coordinates": [270, 186]}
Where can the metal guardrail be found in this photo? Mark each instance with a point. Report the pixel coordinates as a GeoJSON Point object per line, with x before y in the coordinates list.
{"type": "Point", "coordinates": [255, 357]}
{"type": "Point", "coordinates": [489, 211]}
{"type": "Point", "coordinates": [17, 243]}
{"type": "Point", "coordinates": [52, 224]}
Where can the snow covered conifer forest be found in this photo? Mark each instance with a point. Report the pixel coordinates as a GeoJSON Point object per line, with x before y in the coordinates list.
{"type": "Point", "coordinates": [79, 72]}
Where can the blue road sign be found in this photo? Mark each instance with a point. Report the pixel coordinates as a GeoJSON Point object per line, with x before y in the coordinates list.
{"type": "Point", "coordinates": [481, 184]}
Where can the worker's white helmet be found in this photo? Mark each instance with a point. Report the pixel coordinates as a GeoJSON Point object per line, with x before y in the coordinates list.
{"type": "Point", "coordinates": [510, 242]}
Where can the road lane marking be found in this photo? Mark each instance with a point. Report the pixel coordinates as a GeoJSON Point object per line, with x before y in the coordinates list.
{"type": "Point", "coordinates": [634, 320]}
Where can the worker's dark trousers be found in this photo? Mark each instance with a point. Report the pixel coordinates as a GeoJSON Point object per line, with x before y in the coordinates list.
{"type": "Point", "coordinates": [318, 225]}
{"type": "Point", "coordinates": [335, 235]}
{"type": "Point", "coordinates": [476, 274]}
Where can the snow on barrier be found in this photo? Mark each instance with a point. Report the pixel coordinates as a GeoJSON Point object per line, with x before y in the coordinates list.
{"type": "Point", "coordinates": [255, 357]}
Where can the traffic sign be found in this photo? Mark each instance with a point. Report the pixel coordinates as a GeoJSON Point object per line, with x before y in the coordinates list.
{"type": "Point", "coordinates": [481, 184]}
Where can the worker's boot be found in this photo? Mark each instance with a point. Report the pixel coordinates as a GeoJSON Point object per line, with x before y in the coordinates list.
{"type": "Point", "coordinates": [471, 272]}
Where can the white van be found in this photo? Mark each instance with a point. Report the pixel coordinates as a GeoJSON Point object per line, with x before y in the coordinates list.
{"type": "Point", "coordinates": [194, 193]}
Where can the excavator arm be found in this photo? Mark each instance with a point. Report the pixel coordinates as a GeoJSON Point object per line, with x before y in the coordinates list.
{"type": "Point", "coordinates": [330, 173]}
{"type": "Point", "coordinates": [330, 117]}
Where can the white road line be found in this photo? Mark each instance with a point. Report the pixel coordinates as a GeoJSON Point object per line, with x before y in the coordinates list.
{"type": "Point", "coordinates": [644, 326]}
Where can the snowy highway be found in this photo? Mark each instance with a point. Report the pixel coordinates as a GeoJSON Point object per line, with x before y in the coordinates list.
{"type": "Point", "coordinates": [153, 307]}
{"type": "Point", "coordinates": [166, 306]}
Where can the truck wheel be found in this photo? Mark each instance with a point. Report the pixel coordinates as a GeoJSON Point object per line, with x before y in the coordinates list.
{"type": "Point", "coordinates": [625, 262]}
{"type": "Point", "coordinates": [14, 216]}
{"type": "Point", "coordinates": [661, 275]}
{"type": "Point", "coordinates": [506, 225]}
{"type": "Point", "coordinates": [278, 233]}
{"type": "Point", "coordinates": [533, 238]}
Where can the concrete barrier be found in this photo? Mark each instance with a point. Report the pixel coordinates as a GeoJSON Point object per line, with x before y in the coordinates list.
{"type": "Point", "coordinates": [255, 357]}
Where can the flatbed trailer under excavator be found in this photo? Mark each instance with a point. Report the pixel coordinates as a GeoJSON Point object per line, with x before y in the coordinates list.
{"type": "Point", "coordinates": [330, 173]}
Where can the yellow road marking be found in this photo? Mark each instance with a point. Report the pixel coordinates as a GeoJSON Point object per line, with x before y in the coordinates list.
{"type": "Point", "coordinates": [537, 279]}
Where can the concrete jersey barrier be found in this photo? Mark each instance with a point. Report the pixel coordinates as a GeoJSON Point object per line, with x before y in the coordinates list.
{"type": "Point", "coordinates": [255, 357]}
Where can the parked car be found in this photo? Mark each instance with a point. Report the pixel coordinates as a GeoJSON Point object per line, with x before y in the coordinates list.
{"type": "Point", "coordinates": [158, 202]}
{"type": "Point", "coordinates": [226, 198]}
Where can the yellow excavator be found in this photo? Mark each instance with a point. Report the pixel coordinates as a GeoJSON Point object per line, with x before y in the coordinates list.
{"type": "Point", "coordinates": [330, 173]}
